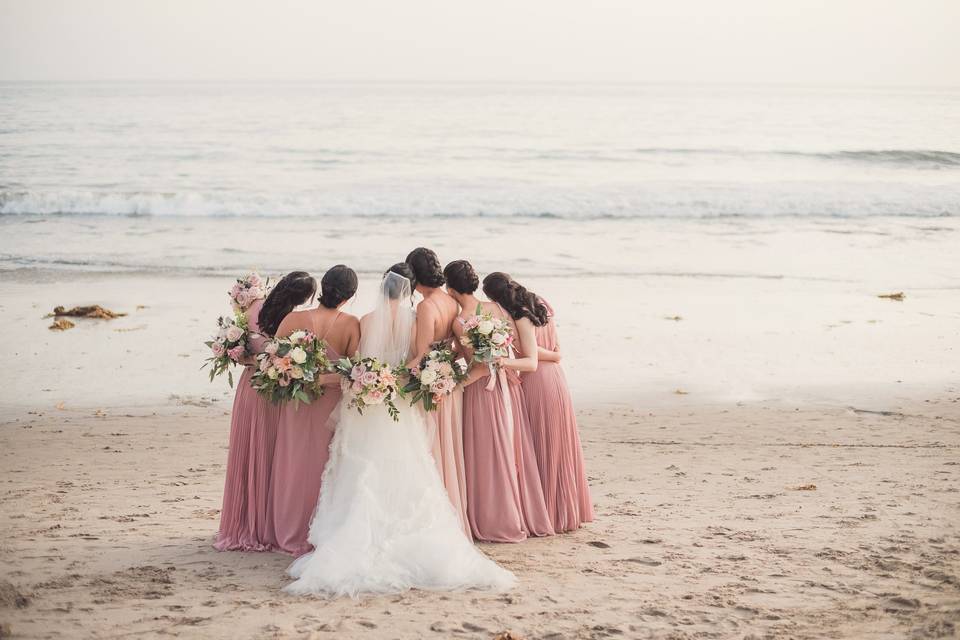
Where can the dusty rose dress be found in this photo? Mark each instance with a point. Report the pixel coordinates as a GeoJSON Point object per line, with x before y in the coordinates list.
{"type": "Point", "coordinates": [447, 425]}
{"type": "Point", "coordinates": [493, 488]}
{"type": "Point", "coordinates": [303, 447]}
{"type": "Point", "coordinates": [253, 432]}
{"type": "Point", "coordinates": [505, 501]}
{"type": "Point", "coordinates": [556, 440]}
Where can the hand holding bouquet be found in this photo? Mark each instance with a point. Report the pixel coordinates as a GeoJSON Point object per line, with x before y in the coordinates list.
{"type": "Point", "coordinates": [229, 346]}
{"type": "Point", "coordinates": [436, 375]}
{"type": "Point", "coordinates": [288, 368]}
{"type": "Point", "coordinates": [369, 382]}
{"type": "Point", "coordinates": [489, 337]}
{"type": "Point", "coordinates": [247, 291]}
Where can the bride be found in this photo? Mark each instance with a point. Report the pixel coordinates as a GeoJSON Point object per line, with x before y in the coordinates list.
{"type": "Point", "coordinates": [383, 522]}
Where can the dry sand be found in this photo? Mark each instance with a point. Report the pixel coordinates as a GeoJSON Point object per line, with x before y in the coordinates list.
{"type": "Point", "coordinates": [758, 521]}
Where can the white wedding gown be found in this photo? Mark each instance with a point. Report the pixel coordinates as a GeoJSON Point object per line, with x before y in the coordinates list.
{"type": "Point", "coordinates": [384, 522]}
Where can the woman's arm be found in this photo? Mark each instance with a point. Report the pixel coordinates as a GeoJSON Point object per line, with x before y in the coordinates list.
{"type": "Point", "coordinates": [546, 355]}
{"type": "Point", "coordinates": [528, 344]}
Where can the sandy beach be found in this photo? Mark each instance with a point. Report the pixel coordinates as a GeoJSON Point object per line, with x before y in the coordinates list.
{"type": "Point", "coordinates": [773, 452]}
{"type": "Point", "coordinates": [756, 521]}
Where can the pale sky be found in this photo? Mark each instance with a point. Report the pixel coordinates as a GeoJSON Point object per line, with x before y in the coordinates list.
{"type": "Point", "coordinates": [842, 42]}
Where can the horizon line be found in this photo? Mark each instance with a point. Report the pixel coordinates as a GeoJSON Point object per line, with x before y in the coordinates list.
{"type": "Point", "coordinates": [410, 81]}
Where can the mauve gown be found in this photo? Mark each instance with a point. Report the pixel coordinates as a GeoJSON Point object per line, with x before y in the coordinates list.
{"type": "Point", "coordinates": [447, 449]}
{"type": "Point", "coordinates": [505, 501]}
{"type": "Point", "coordinates": [489, 454]}
{"type": "Point", "coordinates": [303, 447]}
{"type": "Point", "coordinates": [556, 440]}
{"type": "Point", "coordinates": [253, 432]}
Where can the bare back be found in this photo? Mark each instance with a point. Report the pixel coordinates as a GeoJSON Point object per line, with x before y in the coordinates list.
{"type": "Point", "coordinates": [340, 330]}
{"type": "Point", "coordinates": [435, 318]}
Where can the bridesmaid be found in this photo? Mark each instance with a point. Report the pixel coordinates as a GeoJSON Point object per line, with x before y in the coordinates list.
{"type": "Point", "coordinates": [304, 432]}
{"type": "Point", "coordinates": [553, 422]}
{"type": "Point", "coordinates": [504, 499]}
{"type": "Point", "coordinates": [435, 317]}
{"type": "Point", "coordinates": [253, 428]}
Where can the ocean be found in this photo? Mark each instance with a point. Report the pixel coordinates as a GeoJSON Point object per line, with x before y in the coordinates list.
{"type": "Point", "coordinates": [216, 178]}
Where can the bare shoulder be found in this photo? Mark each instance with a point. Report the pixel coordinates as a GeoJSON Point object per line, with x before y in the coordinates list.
{"type": "Point", "coordinates": [351, 320]}
{"type": "Point", "coordinates": [293, 321]}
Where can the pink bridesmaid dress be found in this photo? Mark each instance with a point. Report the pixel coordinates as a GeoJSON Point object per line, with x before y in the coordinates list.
{"type": "Point", "coordinates": [303, 447]}
{"type": "Point", "coordinates": [253, 432]}
{"type": "Point", "coordinates": [556, 440]}
{"type": "Point", "coordinates": [536, 517]}
{"type": "Point", "coordinates": [447, 423]}
{"type": "Point", "coordinates": [493, 489]}
{"type": "Point", "coordinates": [505, 501]}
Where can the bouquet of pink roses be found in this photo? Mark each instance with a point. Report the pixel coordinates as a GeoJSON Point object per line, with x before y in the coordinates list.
{"type": "Point", "coordinates": [288, 368]}
{"type": "Point", "coordinates": [489, 337]}
{"type": "Point", "coordinates": [247, 291]}
{"type": "Point", "coordinates": [228, 346]}
{"type": "Point", "coordinates": [370, 382]}
{"type": "Point", "coordinates": [436, 375]}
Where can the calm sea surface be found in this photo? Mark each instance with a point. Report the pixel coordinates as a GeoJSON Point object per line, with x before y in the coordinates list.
{"type": "Point", "coordinates": [210, 177]}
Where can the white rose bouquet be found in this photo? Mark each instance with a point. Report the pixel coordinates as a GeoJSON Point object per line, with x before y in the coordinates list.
{"type": "Point", "coordinates": [489, 337]}
{"type": "Point", "coordinates": [228, 346]}
{"type": "Point", "coordinates": [288, 368]}
{"type": "Point", "coordinates": [436, 376]}
{"type": "Point", "coordinates": [369, 382]}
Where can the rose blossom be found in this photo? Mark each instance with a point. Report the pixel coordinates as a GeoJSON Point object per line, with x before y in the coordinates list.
{"type": "Point", "coordinates": [428, 376]}
{"type": "Point", "coordinates": [387, 378]}
{"type": "Point", "coordinates": [217, 349]}
{"type": "Point", "coordinates": [298, 355]}
{"type": "Point", "coordinates": [296, 373]}
{"type": "Point", "coordinates": [498, 338]}
{"type": "Point", "coordinates": [234, 333]}
{"type": "Point", "coordinates": [357, 372]}
{"type": "Point", "coordinates": [270, 348]}
{"type": "Point", "coordinates": [374, 397]}
{"type": "Point", "coordinates": [236, 353]}
{"type": "Point", "coordinates": [369, 378]}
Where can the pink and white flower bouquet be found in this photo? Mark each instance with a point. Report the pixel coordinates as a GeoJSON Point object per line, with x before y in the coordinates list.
{"type": "Point", "coordinates": [288, 368]}
{"type": "Point", "coordinates": [436, 376]}
{"type": "Point", "coordinates": [228, 347]}
{"type": "Point", "coordinates": [247, 291]}
{"type": "Point", "coordinates": [369, 382]}
{"type": "Point", "coordinates": [489, 337]}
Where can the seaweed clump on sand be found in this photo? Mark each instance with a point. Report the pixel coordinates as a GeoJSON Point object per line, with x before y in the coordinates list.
{"type": "Point", "coordinates": [89, 311]}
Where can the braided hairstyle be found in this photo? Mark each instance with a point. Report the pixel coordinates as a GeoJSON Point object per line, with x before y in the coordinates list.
{"type": "Point", "coordinates": [339, 283]}
{"type": "Point", "coordinates": [426, 267]}
{"type": "Point", "coordinates": [461, 277]}
{"type": "Point", "coordinates": [293, 290]}
{"type": "Point", "coordinates": [514, 297]}
{"type": "Point", "coordinates": [394, 289]}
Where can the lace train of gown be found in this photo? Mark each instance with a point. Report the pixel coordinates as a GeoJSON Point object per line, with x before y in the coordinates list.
{"type": "Point", "coordinates": [384, 522]}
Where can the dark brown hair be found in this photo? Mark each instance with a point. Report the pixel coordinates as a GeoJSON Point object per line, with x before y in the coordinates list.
{"type": "Point", "coordinates": [339, 283]}
{"type": "Point", "coordinates": [461, 277]}
{"type": "Point", "coordinates": [514, 297]}
{"type": "Point", "coordinates": [426, 267]}
{"type": "Point", "coordinates": [294, 289]}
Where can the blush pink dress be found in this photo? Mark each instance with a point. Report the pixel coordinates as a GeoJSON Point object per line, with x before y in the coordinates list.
{"type": "Point", "coordinates": [556, 440]}
{"type": "Point", "coordinates": [301, 453]}
{"type": "Point", "coordinates": [505, 501]}
{"type": "Point", "coordinates": [447, 424]}
{"type": "Point", "coordinates": [493, 489]}
{"type": "Point", "coordinates": [253, 432]}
